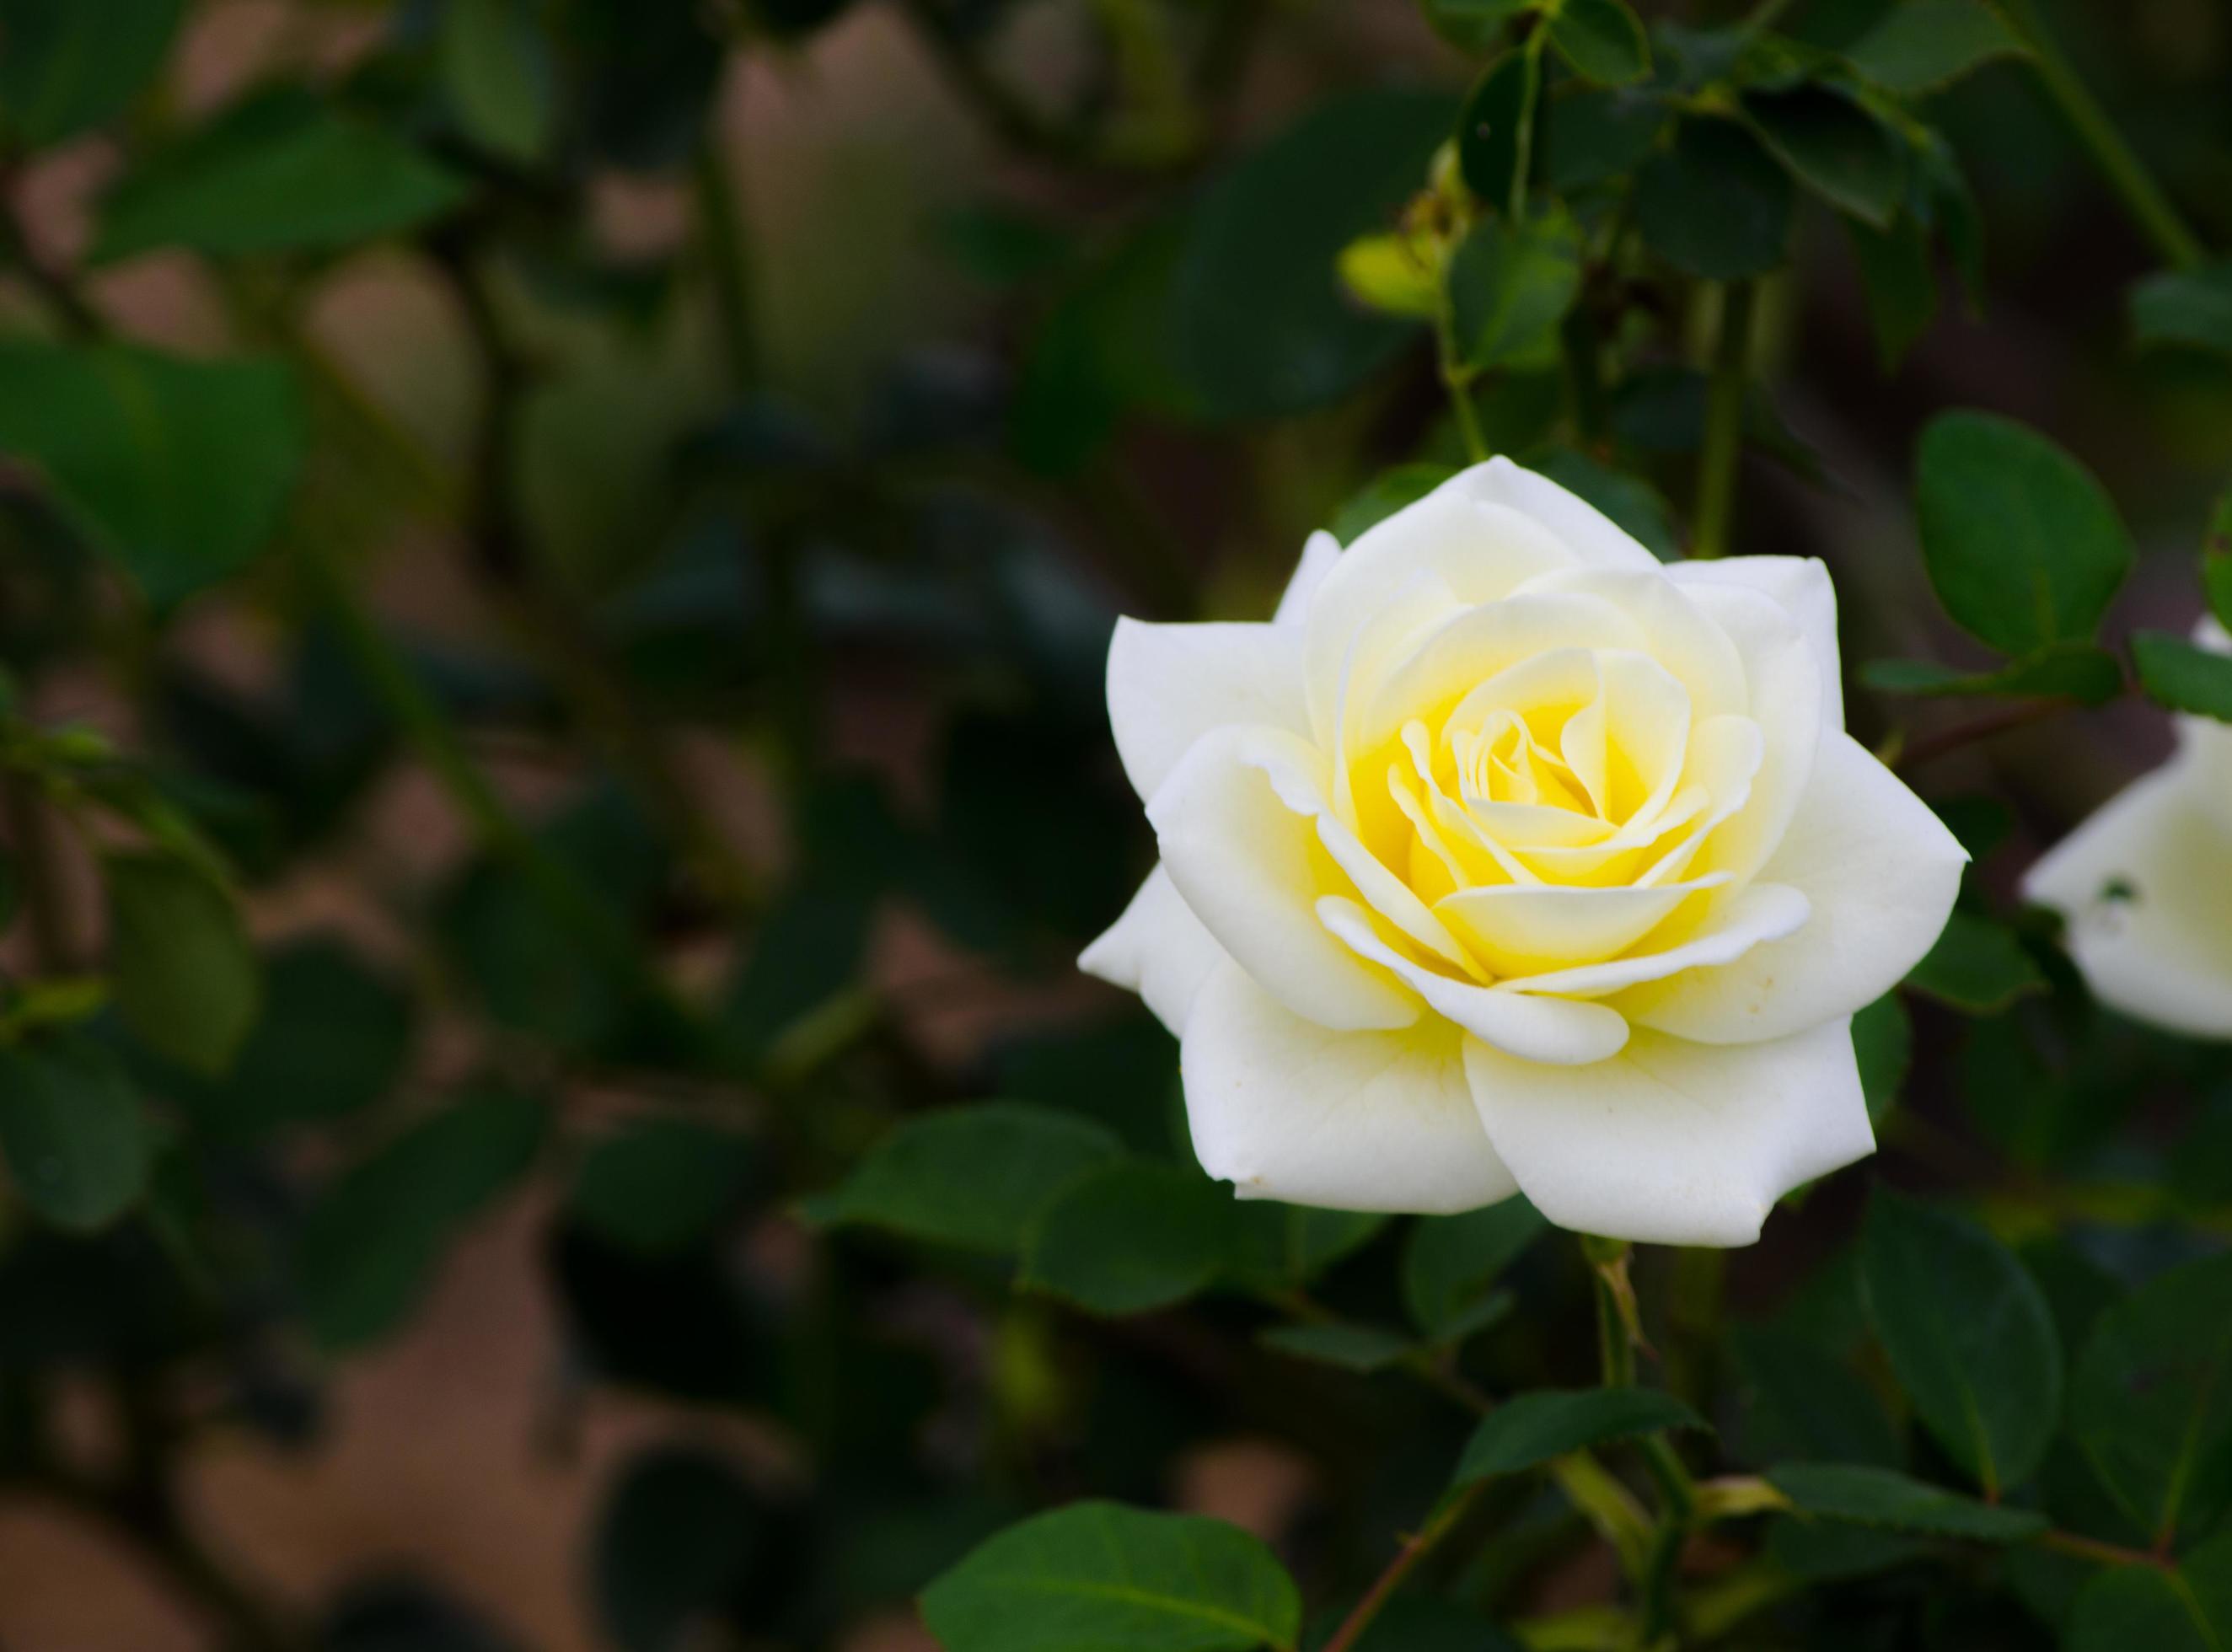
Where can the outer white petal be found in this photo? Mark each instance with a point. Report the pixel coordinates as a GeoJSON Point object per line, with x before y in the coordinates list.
{"type": "Point", "coordinates": [1801, 586]}
{"type": "Point", "coordinates": [1320, 551]}
{"type": "Point", "coordinates": [1880, 871]}
{"type": "Point", "coordinates": [1594, 536]}
{"type": "Point", "coordinates": [1674, 1143]}
{"type": "Point", "coordinates": [1237, 822]}
{"type": "Point", "coordinates": [1757, 913]}
{"type": "Point", "coordinates": [1284, 1109]}
{"type": "Point", "coordinates": [1783, 681]}
{"type": "Point", "coordinates": [1479, 551]}
{"type": "Point", "coordinates": [1158, 950]}
{"type": "Point", "coordinates": [2146, 887]}
{"type": "Point", "coordinates": [1168, 685]}
{"type": "Point", "coordinates": [1566, 1032]}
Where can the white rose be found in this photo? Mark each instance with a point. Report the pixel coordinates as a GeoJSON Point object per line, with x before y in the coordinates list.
{"type": "Point", "coordinates": [1505, 857]}
{"type": "Point", "coordinates": [2146, 884]}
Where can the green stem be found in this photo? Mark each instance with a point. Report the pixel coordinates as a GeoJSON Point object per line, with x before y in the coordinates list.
{"type": "Point", "coordinates": [1415, 1549]}
{"type": "Point", "coordinates": [1456, 378]}
{"type": "Point", "coordinates": [1724, 413]}
{"type": "Point", "coordinates": [2142, 197]}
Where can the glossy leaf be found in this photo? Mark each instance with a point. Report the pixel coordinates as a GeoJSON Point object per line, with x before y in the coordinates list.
{"type": "Point", "coordinates": [1969, 1334]}
{"type": "Point", "coordinates": [2183, 675]}
{"type": "Point", "coordinates": [1511, 285]}
{"type": "Point", "coordinates": [1809, 1405]}
{"type": "Point", "coordinates": [1495, 130]}
{"type": "Point", "coordinates": [372, 1244]}
{"type": "Point", "coordinates": [2072, 671]}
{"type": "Point", "coordinates": [1601, 40]}
{"type": "Point", "coordinates": [286, 171]}
{"type": "Point", "coordinates": [185, 979]}
{"type": "Point", "coordinates": [497, 71]}
{"type": "Point", "coordinates": [72, 1130]}
{"type": "Point", "coordinates": [1715, 204]}
{"type": "Point", "coordinates": [2005, 511]}
{"type": "Point", "coordinates": [177, 470]}
{"type": "Point", "coordinates": [1451, 1263]}
{"type": "Point", "coordinates": [1097, 1576]}
{"type": "Point", "coordinates": [1883, 1042]}
{"type": "Point", "coordinates": [1922, 46]}
{"type": "Point", "coordinates": [660, 1185]}
{"type": "Point", "coordinates": [1834, 147]}
{"type": "Point", "coordinates": [1274, 1246]}
{"type": "Point", "coordinates": [1533, 1428]}
{"type": "Point", "coordinates": [1868, 1496]}
{"type": "Point", "coordinates": [1976, 965]}
{"type": "Point", "coordinates": [2187, 1610]}
{"type": "Point", "coordinates": [67, 66]}
{"type": "Point", "coordinates": [2150, 1401]}
{"type": "Point", "coordinates": [678, 1539]}
{"type": "Point", "coordinates": [974, 1176]}
{"type": "Point", "coordinates": [1352, 1347]}
{"type": "Point", "coordinates": [1130, 1238]}
{"type": "Point", "coordinates": [2192, 307]}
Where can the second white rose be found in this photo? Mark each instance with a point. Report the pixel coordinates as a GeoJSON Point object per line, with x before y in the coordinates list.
{"type": "Point", "coordinates": [1506, 857]}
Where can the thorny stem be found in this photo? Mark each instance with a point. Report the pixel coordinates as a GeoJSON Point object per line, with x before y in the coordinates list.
{"type": "Point", "coordinates": [1415, 1548]}
{"type": "Point", "coordinates": [1912, 757]}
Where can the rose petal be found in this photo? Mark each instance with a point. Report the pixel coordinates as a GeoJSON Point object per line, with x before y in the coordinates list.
{"type": "Point", "coordinates": [1880, 871]}
{"type": "Point", "coordinates": [1480, 551]}
{"type": "Point", "coordinates": [1235, 820]}
{"type": "Point", "coordinates": [1320, 551]}
{"type": "Point", "coordinates": [1158, 950]}
{"type": "Point", "coordinates": [1283, 1108]}
{"type": "Point", "coordinates": [1563, 1031]}
{"type": "Point", "coordinates": [1169, 685]}
{"type": "Point", "coordinates": [1530, 929]}
{"type": "Point", "coordinates": [1673, 1143]}
{"type": "Point", "coordinates": [1678, 631]}
{"type": "Point", "coordinates": [1801, 586]}
{"type": "Point", "coordinates": [1784, 684]}
{"type": "Point", "coordinates": [2143, 887]}
{"type": "Point", "coordinates": [1757, 913]}
{"type": "Point", "coordinates": [1592, 536]}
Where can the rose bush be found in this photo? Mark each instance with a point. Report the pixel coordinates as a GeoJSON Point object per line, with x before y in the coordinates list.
{"type": "Point", "coordinates": [2143, 887]}
{"type": "Point", "coordinates": [1507, 857]}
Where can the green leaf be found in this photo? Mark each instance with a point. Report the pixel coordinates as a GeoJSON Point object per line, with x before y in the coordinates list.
{"type": "Point", "coordinates": [1352, 1347]}
{"type": "Point", "coordinates": [660, 1185]}
{"type": "Point", "coordinates": [71, 1125]}
{"type": "Point", "coordinates": [1601, 38]}
{"type": "Point", "coordinates": [1473, 25]}
{"type": "Point", "coordinates": [1095, 1577]}
{"type": "Point", "coordinates": [1969, 1334]}
{"type": "Point", "coordinates": [973, 1176]}
{"type": "Point", "coordinates": [1274, 1246]}
{"type": "Point", "coordinates": [1495, 130]}
{"type": "Point", "coordinates": [2183, 675]}
{"type": "Point", "coordinates": [2192, 307]}
{"type": "Point", "coordinates": [2023, 547]}
{"type": "Point", "coordinates": [1384, 495]}
{"type": "Point", "coordinates": [2216, 562]}
{"type": "Point", "coordinates": [1715, 204]}
{"type": "Point", "coordinates": [1511, 285]}
{"type": "Point", "coordinates": [1592, 136]}
{"type": "Point", "coordinates": [332, 1040]}
{"type": "Point", "coordinates": [1451, 1263]}
{"type": "Point", "coordinates": [808, 949]}
{"type": "Point", "coordinates": [1263, 327]}
{"type": "Point", "coordinates": [67, 66]}
{"type": "Point", "coordinates": [1879, 1497]}
{"type": "Point", "coordinates": [1131, 1237]}
{"type": "Point", "coordinates": [374, 1241]}
{"type": "Point", "coordinates": [1923, 46]}
{"type": "Point", "coordinates": [678, 1538]}
{"type": "Point", "coordinates": [2141, 1609]}
{"type": "Point", "coordinates": [1883, 1042]}
{"type": "Point", "coordinates": [1834, 147]}
{"type": "Point", "coordinates": [1392, 274]}
{"type": "Point", "coordinates": [1535, 1427]}
{"type": "Point", "coordinates": [2150, 1401]}
{"type": "Point", "coordinates": [1900, 281]}
{"type": "Point", "coordinates": [286, 171]}
{"type": "Point", "coordinates": [1804, 1402]}
{"type": "Point", "coordinates": [1978, 965]}
{"type": "Point", "coordinates": [177, 470]}
{"type": "Point", "coordinates": [2064, 671]}
{"type": "Point", "coordinates": [498, 75]}
{"type": "Point", "coordinates": [185, 979]}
